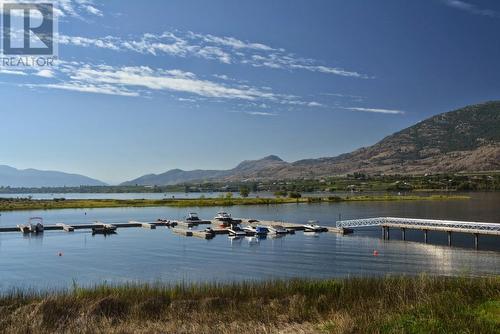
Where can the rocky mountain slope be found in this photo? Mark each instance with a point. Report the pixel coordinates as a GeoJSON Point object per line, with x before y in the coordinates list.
{"type": "Point", "coordinates": [466, 139]}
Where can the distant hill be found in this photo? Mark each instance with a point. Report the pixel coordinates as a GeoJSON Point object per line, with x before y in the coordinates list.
{"type": "Point", "coordinates": [176, 176]}
{"type": "Point", "coordinates": [16, 178]}
{"type": "Point", "coordinates": [466, 139]}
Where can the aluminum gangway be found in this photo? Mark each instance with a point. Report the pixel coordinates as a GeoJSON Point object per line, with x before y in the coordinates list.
{"type": "Point", "coordinates": [449, 226]}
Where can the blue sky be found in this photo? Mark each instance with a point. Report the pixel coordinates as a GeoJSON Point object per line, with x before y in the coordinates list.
{"type": "Point", "coordinates": [143, 87]}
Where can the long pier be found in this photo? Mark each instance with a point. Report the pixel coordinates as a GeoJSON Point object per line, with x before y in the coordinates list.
{"type": "Point", "coordinates": [73, 227]}
{"type": "Point", "coordinates": [449, 226]}
{"type": "Point", "coordinates": [179, 227]}
{"type": "Point", "coordinates": [187, 228]}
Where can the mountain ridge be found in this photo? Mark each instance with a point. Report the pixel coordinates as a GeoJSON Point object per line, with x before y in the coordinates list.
{"type": "Point", "coordinates": [34, 178]}
{"type": "Point", "coordinates": [465, 139]}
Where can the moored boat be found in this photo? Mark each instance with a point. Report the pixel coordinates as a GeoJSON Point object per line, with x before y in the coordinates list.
{"type": "Point", "coordinates": [193, 217]}
{"type": "Point", "coordinates": [312, 226]}
{"type": "Point", "coordinates": [236, 231]}
{"type": "Point", "coordinates": [103, 229]}
{"type": "Point", "coordinates": [35, 225]}
{"type": "Point", "coordinates": [277, 229]}
{"type": "Point", "coordinates": [223, 218]}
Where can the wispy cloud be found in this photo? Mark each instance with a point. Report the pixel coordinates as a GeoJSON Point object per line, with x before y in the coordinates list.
{"type": "Point", "coordinates": [253, 113]}
{"type": "Point", "coordinates": [259, 113]}
{"type": "Point", "coordinates": [88, 88]}
{"type": "Point", "coordinates": [376, 110]}
{"type": "Point", "coordinates": [66, 8]}
{"type": "Point", "coordinates": [134, 81]}
{"type": "Point", "coordinates": [45, 73]}
{"type": "Point", "coordinates": [468, 7]}
{"type": "Point", "coordinates": [13, 72]}
{"type": "Point", "coordinates": [224, 49]}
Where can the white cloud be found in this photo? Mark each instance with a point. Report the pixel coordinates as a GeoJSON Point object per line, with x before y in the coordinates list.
{"type": "Point", "coordinates": [88, 88]}
{"type": "Point", "coordinates": [177, 81]}
{"type": "Point", "coordinates": [142, 80]}
{"type": "Point", "coordinates": [259, 113]}
{"type": "Point", "coordinates": [13, 72]}
{"type": "Point", "coordinates": [252, 113]}
{"type": "Point", "coordinates": [232, 42]}
{"type": "Point", "coordinates": [63, 8]}
{"type": "Point", "coordinates": [380, 111]}
{"type": "Point", "coordinates": [227, 50]}
{"type": "Point", "coordinates": [45, 73]}
{"type": "Point", "coordinates": [93, 10]}
{"type": "Point", "coordinates": [468, 7]}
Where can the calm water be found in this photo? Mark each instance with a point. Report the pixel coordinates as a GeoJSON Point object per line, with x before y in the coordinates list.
{"type": "Point", "coordinates": [159, 255]}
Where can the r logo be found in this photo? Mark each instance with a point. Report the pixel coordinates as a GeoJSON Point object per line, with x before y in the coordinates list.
{"type": "Point", "coordinates": [28, 29]}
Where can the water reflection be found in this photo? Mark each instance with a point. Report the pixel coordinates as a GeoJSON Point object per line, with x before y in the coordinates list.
{"type": "Point", "coordinates": [160, 255]}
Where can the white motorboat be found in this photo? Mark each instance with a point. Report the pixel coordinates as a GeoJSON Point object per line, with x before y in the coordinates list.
{"type": "Point", "coordinates": [235, 231]}
{"type": "Point", "coordinates": [312, 226]}
{"type": "Point", "coordinates": [223, 217]}
{"type": "Point", "coordinates": [35, 225]}
{"type": "Point", "coordinates": [277, 229]}
{"type": "Point", "coordinates": [250, 230]}
{"type": "Point", "coordinates": [193, 218]}
{"type": "Point", "coordinates": [259, 230]}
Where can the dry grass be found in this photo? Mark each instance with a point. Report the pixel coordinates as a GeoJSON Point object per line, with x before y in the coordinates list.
{"type": "Point", "coordinates": [375, 305]}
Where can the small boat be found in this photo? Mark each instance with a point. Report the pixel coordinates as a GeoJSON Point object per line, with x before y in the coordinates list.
{"type": "Point", "coordinates": [277, 229]}
{"type": "Point", "coordinates": [261, 230]}
{"type": "Point", "coordinates": [35, 225]}
{"type": "Point", "coordinates": [210, 231]}
{"type": "Point", "coordinates": [223, 217]}
{"type": "Point", "coordinates": [104, 229]}
{"type": "Point", "coordinates": [312, 226]}
{"type": "Point", "coordinates": [193, 218]}
{"type": "Point", "coordinates": [250, 230]}
{"type": "Point", "coordinates": [235, 231]}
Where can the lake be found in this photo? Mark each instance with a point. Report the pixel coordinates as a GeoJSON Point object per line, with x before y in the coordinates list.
{"type": "Point", "coordinates": [139, 255]}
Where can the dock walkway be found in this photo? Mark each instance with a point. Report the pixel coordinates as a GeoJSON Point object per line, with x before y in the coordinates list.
{"type": "Point", "coordinates": [425, 225]}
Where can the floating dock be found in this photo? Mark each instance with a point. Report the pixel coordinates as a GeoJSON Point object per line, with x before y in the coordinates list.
{"type": "Point", "coordinates": [342, 227]}
{"type": "Point", "coordinates": [71, 228]}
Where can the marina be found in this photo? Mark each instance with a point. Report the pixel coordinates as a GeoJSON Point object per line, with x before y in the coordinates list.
{"type": "Point", "coordinates": [223, 223]}
{"type": "Point", "coordinates": [207, 256]}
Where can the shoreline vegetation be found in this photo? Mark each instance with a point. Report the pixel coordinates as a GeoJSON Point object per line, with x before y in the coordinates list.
{"type": "Point", "coordinates": [419, 304]}
{"type": "Point", "coordinates": [358, 182]}
{"type": "Point", "coordinates": [19, 204]}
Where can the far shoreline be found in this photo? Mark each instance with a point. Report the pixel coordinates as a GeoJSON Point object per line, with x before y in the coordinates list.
{"type": "Point", "coordinates": [24, 204]}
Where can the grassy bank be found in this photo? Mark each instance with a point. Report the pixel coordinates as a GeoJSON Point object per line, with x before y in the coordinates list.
{"type": "Point", "coordinates": [376, 305]}
{"type": "Point", "coordinates": [13, 204]}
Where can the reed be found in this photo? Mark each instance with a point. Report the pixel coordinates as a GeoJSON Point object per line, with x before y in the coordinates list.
{"type": "Point", "coordinates": [357, 305]}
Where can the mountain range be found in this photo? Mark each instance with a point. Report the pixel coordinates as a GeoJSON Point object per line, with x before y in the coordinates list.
{"type": "Point", "coordinates": [33, 178]}
{"type": "Point", "coordinates": [464, 140]}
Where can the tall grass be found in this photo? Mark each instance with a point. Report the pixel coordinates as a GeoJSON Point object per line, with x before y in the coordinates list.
{"type": "Point", "coordinates": [358, 305]}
